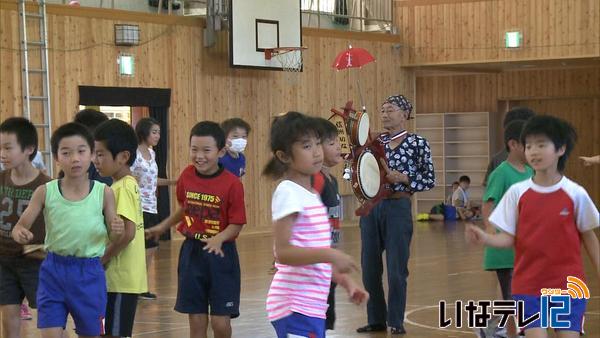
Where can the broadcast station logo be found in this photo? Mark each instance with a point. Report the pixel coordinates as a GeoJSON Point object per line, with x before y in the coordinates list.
{"type": "Point", "coordinates": [553, 303]}
{"type": "Point", "coordinates": [576, 288]}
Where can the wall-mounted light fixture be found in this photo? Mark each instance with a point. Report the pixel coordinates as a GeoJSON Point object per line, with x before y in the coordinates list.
{"type": "Point", "coordinates": [126, 64]}
{"type": "Point", "coordinates": [513, 39]}
{"type": "Point", "coordinates": [127, 35]}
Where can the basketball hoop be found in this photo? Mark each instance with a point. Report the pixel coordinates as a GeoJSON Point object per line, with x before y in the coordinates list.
{"type": "Point", "coordinates": [290, 58]}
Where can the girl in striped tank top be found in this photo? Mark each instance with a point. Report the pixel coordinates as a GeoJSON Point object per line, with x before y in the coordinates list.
{"type": "Point", "coordinates": [305, 261]}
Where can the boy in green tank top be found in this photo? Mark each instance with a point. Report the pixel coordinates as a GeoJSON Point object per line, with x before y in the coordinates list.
{"type": "Point", "coordinates": [509, 172]}
{"type": "Point", "coordinates": [76, 211]}
{"type": "Point", "coordinates": [125, 259]}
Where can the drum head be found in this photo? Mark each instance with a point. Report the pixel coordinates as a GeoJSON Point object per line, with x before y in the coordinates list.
{"type": "Point", "coordinates": [368, 175]}
{"type": "Point", "coordinates": [363, 129]}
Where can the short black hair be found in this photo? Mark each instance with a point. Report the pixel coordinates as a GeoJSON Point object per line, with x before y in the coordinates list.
{"type": "Point", "coordinates": [68, 130]}
{"type": "Point", "coordinates": [209, 128]}
{"type": "Point", "coordinates": [559, 131]}
{"type": "Point", "coordinates": [517, 113]}
{"type": "Point", "coordinates": [91, 118]}
{"type": "Point", "coordinates": [25, 132]}
{"type": "Point", "coordinates": [464, 178]}
{"type": "Point", "coordinates": [512, 131]}
{"type": "Point", "coordinates": [327, 130]}
{"type": "Point", "coordinates": [117, 136]}
{"type": "Point", "coordinates": [285, 130]}
{"type": "Point", "coordinates": [143, 127]}
{"type": "Point", "coordinates": [236, 122]}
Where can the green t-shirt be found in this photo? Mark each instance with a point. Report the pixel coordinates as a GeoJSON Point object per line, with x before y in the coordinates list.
{"type": "Point", "coordinates": [126, 272]}
{"type": "Point", "coordinates": [502, 178]}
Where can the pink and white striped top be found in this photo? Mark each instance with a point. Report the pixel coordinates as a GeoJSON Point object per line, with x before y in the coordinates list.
{"type": "Point", "coordinates": [301, 289]}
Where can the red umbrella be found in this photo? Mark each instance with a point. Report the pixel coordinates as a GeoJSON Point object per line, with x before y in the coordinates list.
{"type": "Point", "coordinates": [352, 58]}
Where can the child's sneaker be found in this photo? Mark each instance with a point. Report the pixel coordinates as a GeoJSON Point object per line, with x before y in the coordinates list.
{"type": "Point", "coordinates": [25, 313]}
{"type": "Point", "coordinates": [147, 296]}
{"type": "Point", "coordinates": [423, 217]}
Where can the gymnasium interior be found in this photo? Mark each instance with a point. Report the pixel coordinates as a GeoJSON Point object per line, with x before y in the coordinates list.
{"type": "Point", "coordinates": [461, 63]}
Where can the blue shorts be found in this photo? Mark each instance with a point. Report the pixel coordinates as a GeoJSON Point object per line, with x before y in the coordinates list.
{"type": "Point", "coordinates": [208, 280]}
{"type": "Point", "coordinates": [575, 317]}
{"type": "Point", "coordinates": [72, 285]}
{"type": "Point", "coordinates": [299, 325]}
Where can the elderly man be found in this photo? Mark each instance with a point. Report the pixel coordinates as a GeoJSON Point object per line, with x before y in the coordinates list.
{"type": "Point", "coordinates": [388, 227]}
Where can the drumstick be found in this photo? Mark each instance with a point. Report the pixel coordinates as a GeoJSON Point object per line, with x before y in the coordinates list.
{"type": "Point", "coordinates": [387, 169]}
{"type": "Point", "coordinates": [333, 110]}
{"type": "Point", "coordinates": [389, 172]}
{"type": "Point", "coordinates": [344, 116]}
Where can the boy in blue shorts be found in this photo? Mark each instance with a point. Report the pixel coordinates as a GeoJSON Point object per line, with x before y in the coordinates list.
{"type": "Point", "coordinates": [91, 118]}
{"type": "Point", "coordinates": [19, 265]}
{"type": "Point", "coordinates": [546, 218]}
{"type": "Point", "coordinates": [210, 216]}
{"type": "Point", "coordinates": [76, 211]}
{"type": "Point", "coordinates": [125, 259]}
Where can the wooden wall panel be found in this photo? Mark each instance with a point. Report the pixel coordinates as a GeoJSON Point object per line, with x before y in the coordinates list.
{"type": "Point", "coordinates": [481, 92]}
{"type": "Point", "coordinates": [467, 31]}
{"type": "Point", "coordinates": [456, 93]}
{"type": "Point", "coordinates": [203, 85]}
{"type": "Point", "coordinates": [573, 94]}
{"type": "Point", "coordinates": [584, 115]}
{"type": "Point", "coordinates": [545, 83]}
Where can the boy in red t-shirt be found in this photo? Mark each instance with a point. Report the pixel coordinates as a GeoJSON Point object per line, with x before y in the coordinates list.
{"type": "Point", "coordinates": [210, 216]}
{"type": "Point", "coordinates": [546, 218]}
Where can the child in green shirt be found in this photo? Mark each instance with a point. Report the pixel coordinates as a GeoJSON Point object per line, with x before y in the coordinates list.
{"type": "Point", "coordinates": [509, 172]}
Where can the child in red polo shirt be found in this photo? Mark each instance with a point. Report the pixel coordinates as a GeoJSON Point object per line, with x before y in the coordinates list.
{"type": "Point", "coordinates": [210, 216]}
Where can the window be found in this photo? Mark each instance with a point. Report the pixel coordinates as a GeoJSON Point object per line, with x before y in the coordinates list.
{"type": "Point", "coordinates": [318, 5]}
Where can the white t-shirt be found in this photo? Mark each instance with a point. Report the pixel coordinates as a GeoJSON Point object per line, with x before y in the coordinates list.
{"type": "Point", "coordinates": [460, 198]}
{"type": "Point", "coordinates": [302, 289]}
{"type": "Point", "coordinates": [146, 172]}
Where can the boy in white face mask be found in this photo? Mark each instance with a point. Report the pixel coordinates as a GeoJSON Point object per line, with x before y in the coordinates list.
{"type": "Point", "coordinates": [236, 131]}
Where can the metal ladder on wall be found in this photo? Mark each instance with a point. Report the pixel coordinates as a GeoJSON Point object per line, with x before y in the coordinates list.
{"type": "Point", "coordinates": [36, 77]}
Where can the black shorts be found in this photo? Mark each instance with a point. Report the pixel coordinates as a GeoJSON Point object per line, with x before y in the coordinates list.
{"type": "Point", "coordinates": [120, 313]}
{"type": "Point", "coordinates": [150, 220]}
{"type": "Point", "coordinates": [208, 280]}
{"type": "Point", "coordinates": [19, 279]}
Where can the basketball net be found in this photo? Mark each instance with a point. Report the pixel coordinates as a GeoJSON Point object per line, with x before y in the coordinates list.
{"type": "Point", "coordinates": [290, 60]}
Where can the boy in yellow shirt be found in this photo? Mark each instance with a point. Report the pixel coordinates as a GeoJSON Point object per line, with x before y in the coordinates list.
{"type": "Point", "coordinates": [125, 259]}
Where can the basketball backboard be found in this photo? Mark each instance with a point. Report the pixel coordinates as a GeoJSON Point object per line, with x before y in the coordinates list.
{"type": "Point", "coordinates": [256, 25]}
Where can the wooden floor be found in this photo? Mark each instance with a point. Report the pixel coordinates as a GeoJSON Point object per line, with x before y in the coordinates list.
{"type": "Point", "coordinates": [442, 267]}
